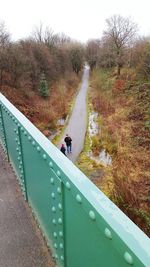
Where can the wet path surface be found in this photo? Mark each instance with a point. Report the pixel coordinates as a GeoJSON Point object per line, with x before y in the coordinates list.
{"type": "Point", "coordinates": [21, 244]}
{"type": "Point", "coordinates": [77, 124]}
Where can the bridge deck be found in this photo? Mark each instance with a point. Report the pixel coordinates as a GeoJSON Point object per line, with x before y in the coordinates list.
{"type": "Point", "coordinates": [21, 244]}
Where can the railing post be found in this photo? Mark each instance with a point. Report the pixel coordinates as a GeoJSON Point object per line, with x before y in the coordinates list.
{"type": "Point", "coordinates": [64, 223]}
{"type": "Point", "coordinates": [23, 165]}
{"type": "Point", "coordinates": [5, 138]}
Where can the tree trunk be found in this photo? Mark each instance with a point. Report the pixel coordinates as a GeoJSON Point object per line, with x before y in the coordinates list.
{"type": "Point", "coordinates": [118, 69]}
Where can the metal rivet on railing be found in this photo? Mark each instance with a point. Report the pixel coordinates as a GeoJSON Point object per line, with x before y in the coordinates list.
{"type": "Point", "coordinates": [61, 234]}
{"type": "Point", "coordinates": [68, 185]}
{"type": "Point", "coordinates": [19, 153]}
{"type": "Point", "coordinates": [78, 198]}
{"type": "Point", "coordinates": [29, 138]}
{"type": "Point", "coordinates": [38, 149]}
{"type": "Point", "coordinates": [54, 221]}
{"type": "Point", "coordinates": [33, 143]}
{"type": "Point", "coordinates": [21, 129]}
{"type": "Point", "coordinates": [92, 215]}
{"type": "Point", "coordinates": [59, 190]}
{"type": "Point", "coordinates": [16, 121]}
{"type": "Point", "coordinates": [17, 149]}
{"type": "Point", "coordinates": [16, 139]}
{"type": "Point", "coordinates": [61, 245]}
{"type": "Point", "coordinates": [44, 156]}
{"type": "Point", "coordinates": [52, 180]}
{"type": "Point", "coordinates": [58, 173]}
{"type": "Point", "coordinates": [25, 133]}
{"type": "Point", "coordinates": [62, 257]}
{"type": "Point", "coordinates": [21, 171]}
{"type": "Point", "coordinates": [18, 125]}
{"type": "Point", "coordinates": [55, 234]}
{"type": "Point", "coordinates": [53, 195]}
{"type": "Point", "coordinates": [20, 167]}
{"type": "Point", "coordinates": [51, 164]}
{"type": "Point", "coordinates": [60, 221]}
{"type": "Point", "coordinates": [56, 256]}
{"type": "Point", "coordinates": [18, 143]}
{"type": "Point", "coordinates": [53, 209]}
{"type": "Point", "coordinates": [108, 233]}
{"type": "Point", "coordinates": [55, 245]}
{"type": "Point", "coordinates": [15, 130]}
{"type": "Point", "coordinates": [60, 206]}
{"type": "Point", "coordinates": [128, 258]}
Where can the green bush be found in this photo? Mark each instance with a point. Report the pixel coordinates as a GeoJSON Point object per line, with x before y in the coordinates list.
{"type": "Point", "coordinates": [43, 90]}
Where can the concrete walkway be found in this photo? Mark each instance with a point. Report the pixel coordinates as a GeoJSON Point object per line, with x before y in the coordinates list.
{"type": "Point", "coordinates": [77, 124]}
{"type": "Point", "coordinates": [21, 244]}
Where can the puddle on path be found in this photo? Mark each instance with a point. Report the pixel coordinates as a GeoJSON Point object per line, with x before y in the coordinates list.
{"type": "Point", "coordinates": [103, 157]}
{"type": "Point", "coordinates": [61, 122]}
{"type": "Point", "coordinates": [93, 128]}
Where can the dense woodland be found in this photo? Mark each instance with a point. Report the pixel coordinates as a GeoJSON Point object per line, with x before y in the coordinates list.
{"type": "Point", "coordinates": [45, 69]}
{"type": "Point", "coordinates": [24, 63]}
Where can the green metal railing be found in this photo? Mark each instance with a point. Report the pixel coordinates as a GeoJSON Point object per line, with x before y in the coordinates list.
{"type": "Point", "coordinates": [81, 225]}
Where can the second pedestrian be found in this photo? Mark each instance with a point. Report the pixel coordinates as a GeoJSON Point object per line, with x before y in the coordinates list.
{"type": "Point", "coordinates": [68, 142]}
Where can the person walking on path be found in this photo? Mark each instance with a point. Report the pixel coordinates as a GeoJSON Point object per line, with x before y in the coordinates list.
{"type": "Point", "coordinates": [63, 149]}
{"type": "Point", "coordinates": [68, 142]}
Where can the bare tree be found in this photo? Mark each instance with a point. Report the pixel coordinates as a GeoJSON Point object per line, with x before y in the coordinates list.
{"type": "Point", "coordinates": [92, 52]}
{"type": "Point", "coordinates": [106, 53]}
{"type": "Point", "coordinates": [122, 32]}
{"type": "Point", "coordinates": [38, 33]}
{"type": "Point", "coordinates": [4, 43]}
{"type": "Point", "coordinates": [141, 56]}
{"type": "Point", "coordinates": [49, 38]}
{"type": "Point", "coordinates": [76, 57]}
{"type": "Point", "coordinates": [4, 35]}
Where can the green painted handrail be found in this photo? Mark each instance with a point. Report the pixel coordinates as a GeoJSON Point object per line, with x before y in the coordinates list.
{"type": "Point", "coordinates": [80, 224]}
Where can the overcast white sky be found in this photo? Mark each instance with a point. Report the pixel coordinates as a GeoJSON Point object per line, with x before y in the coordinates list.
{"type": "Point", "coordinates": [79, 19]}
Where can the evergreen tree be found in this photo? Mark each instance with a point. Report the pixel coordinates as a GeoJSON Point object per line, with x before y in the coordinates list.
{"type": "Point", "coordinates": [43, 90]}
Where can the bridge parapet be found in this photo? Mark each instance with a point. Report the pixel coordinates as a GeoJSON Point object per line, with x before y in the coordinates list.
{"type": "Point", "coordinates": [80, 224]}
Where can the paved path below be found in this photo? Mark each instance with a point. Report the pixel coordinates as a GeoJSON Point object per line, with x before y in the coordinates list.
{"type": "Point", "coordinates": [77, 124]}
{"type": "Point", "coordinates": [21, 244]}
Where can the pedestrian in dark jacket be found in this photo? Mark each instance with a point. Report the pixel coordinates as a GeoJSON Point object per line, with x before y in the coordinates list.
{"type": "Point", "coordinates": [63, 149]}
{"type": "Point", "coordinates": [68, 142]}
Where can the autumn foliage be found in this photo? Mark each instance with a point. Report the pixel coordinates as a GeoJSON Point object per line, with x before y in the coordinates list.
{"type": "Point", "coordinates": [125, 134]}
